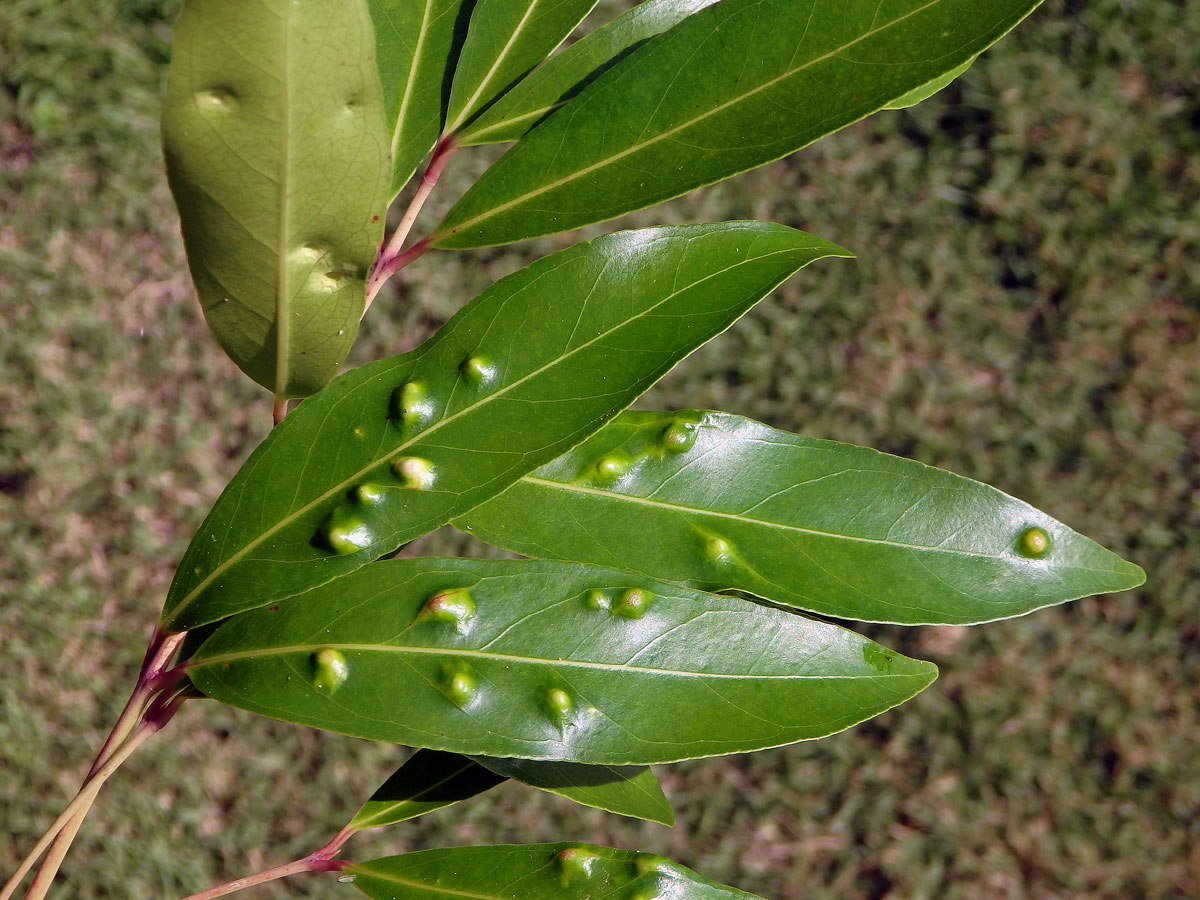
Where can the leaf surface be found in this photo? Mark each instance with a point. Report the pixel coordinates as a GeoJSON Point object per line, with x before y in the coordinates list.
{"type": "Point", "coordinates": [535, 364]}
{"type": "Point", "coordinates": [551, 661]}
{"type": "Point", "coordinates": [719, 502]}
{"type": "Point", "coordinates": [428, 780]}
{"type": "Point", "coordinates": [417, 45]}
{"type": "Point", "coordinates": [534, 872]}
{"type": "Point", "coordinates": [506, 39]}
{"type": "Point", "coordinates": [573, 68]}
{"type": "Point", "coordinates": [735, 85]}
{"type": "Point", "coordinates": [626, 790]}
{"type": "Point", "coordinates": [276, 150]}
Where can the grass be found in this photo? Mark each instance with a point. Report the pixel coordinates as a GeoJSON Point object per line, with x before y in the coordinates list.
{"type": "Point", "coordinates": [1024, 311]}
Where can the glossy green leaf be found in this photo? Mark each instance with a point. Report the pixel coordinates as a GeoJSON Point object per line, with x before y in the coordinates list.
{"type": "Point", "coordinates": [506, 39]}
{"type": "Point", "coordinates": [733, 86]}
{"type": "Point", "coordinates": [626, 790]}
{"type": "Point", "coordinates": [719, 502]}
{"type": "Point", "coordinates": [534, 872]}
{"type": "Point", "coordinates": [276, 149]}
{"type": "Point", "coordinates": [429, 780]}
{"type": "Point", "coordinates": [912, 98]}
{"type": "Point", "coordinates": [547, 660]}
{"type": "Point", "coordinates": [535, 364]}
{"type": "Point", "coordinates": [572, 69]}
{"type": "Point", "coordinates": [417, 44]}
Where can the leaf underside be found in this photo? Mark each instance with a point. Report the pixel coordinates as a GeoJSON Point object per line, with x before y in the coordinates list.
{"type": "Point", "coordinates": [277, 156]}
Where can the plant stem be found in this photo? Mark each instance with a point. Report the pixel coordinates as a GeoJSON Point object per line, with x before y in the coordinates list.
{"type": "Point", "coordinates": [116, 749]}
{"type": "Point", "coordinates": [308, 864]}
{"type": "Point", "coordinates": [279, 410]}
{"type": "Point", "coordinates": [60, 835]}
{"type": "Point", "coordinates": [390, 259]}
{"type": "Point", "coordinates": [321, 860]}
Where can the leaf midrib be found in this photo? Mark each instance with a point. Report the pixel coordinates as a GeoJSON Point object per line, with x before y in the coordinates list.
{"type": "Point", "coordinates": [737, 517]}
{"type": "Point", "coordinates": [418, 50]}
{"type": "Point", "coordinates": [234, 656]}
{"type": "Point", "coordinates": [468, 107]}
{"type": "Point", "coordinates": [671, 132]}
{"type": "Point", "coordinates": [282, 325]}
{"type": "Point", "coordinates": [347, 482]}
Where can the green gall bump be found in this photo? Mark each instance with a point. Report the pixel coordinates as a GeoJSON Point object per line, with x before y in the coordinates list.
{"type": "Point", "coordinates": [216, 100]}
{"type": "Point", "coordinates": [1034, 543]}
{"type": "Point", "coordinates": [410, 404]}
{"type": "Point", "coordinates": [575, 864]}
{"type": "Point", "coordinates": [559, 702]}
{"type": "Point", "coordinates": [718, 551]}
{"type": "Point", "coordinates": [597, 599]}
{"type": "Point", "coordinates": [678, 437]}
{"type": "Point", "coordinates": [478, 369]}
{"type": "Point", "coordinates": [461, 687]}
{"type": "Point", "coordinates": [369, 494]}
{"type": "Point", "coordinates": [633, 603]}
{"type": "Point", "coordinates": [455, 606]}
{"type": "Point", "coordinates": [329, 670]}
{"type": "Point", "coordinates": [348, 535]}
{"type": "Point", "coordinates": [611, 467]}
{"type": "Point", "coordinates": [415, 474]}
{"type": "Point", "coordinates": [652, 864]}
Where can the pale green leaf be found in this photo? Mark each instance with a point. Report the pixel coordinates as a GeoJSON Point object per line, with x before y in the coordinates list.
{"type": "Point", "coordinates": [277, 155]}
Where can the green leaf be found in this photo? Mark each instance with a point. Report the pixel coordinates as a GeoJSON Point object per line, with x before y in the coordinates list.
{"type": "Point", "coordinates": [719, 502]}
{"type": "Point", "coordinates": [506, 39]}
{"type": "Point", "coordinates": [534, 872]}
{"type": "Point", "coordinates": [276, 149]}
{"type": "Point", "coordinates": [572, 69]}
{"type": "Point", "coordinates": [626, 790]}
{"type": "Point", "coordinates": [535, 364]}
{"type": "Point", "coordinates": [552, 661]}
{"type": "Point", "coordinates": [731, 87]}
{"type": "Point", "coordinates": [429, 780]}
{"type": "Point", "coordinates": [417, 43]}
{"type": "Point", "coordinates": [912, 98]}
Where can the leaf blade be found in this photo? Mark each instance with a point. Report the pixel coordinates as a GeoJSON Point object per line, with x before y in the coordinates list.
{"type": "Point", "coordinates": [543, 667]}
{"type": "Point", "coordinates": [534, 872]}
{"type": "Point", "coordinates": [532, 366]}
{"type": "Point", "coordinates": [255, 119]}
{"type": "Point", "coordinates": [506, 39]}
{"type": "Point", "coordinates": [813, 524]}
{"type": "Point", "coordinates": [429, 780]}
{"type": "Point", "coordinates": [417, 44]}
{"type": "Point", "coordinates": [631, 791]}
{"type": "Point", "coordinates": [669, 118]}
{"type": "Point", "coordinates": [572, 69]}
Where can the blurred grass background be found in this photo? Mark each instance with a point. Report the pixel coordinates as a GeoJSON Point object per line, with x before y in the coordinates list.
{"type": "Point", "coordinates": [1025, 311]}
